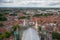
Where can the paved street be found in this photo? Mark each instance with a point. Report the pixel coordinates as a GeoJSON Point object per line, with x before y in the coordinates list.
{"type": "Point", "coordinates": [30, 34]}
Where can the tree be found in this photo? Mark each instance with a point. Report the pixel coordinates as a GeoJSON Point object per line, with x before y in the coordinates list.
{"type": "Point", "coordinates": [1, 24]}
{"type": "Point", "coordinates": [22, 17]}
{"type": "Point", "coordinates": [37, 15]}
{"type": "Point", "coordinates": [39, 28]}
{"type": "Point", "coordinates": [3, 18]}
{"type": "Point", "coordinates": [46, 14]}
{"type": "Point", "coordinates": [15, 27]}
{"type": "Point", "coordinates": [13, 14]}
{"type": "Point", "coordinates": [1, 37]}
{"type": "Point", "coordinates": [1, 14]}
{"type": "Point", "coordinates": [25, 13]}
{"type": "Point", "coordinates": [28, 17]}
{"type": "Point", "coordinates": [55, 35]}
{"type": "Point", "coordinates": [5, 35]}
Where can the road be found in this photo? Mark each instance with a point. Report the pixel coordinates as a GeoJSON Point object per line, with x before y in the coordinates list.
{"type": "Point", "coordinates": [30, 34]}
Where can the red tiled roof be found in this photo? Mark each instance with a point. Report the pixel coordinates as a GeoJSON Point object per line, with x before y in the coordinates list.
{"type": "Point", "coordinates": [2, 30]}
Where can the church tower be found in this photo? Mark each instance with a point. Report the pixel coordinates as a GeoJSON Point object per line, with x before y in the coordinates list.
{"type": "Point", "coordinates": [36, 26]}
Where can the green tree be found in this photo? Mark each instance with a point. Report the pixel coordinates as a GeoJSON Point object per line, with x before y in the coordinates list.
{"type": "Point", "coordinates": [3, 18]}
{"type": "Point", "coordinates": [5, 35]}
{"type": "Point", "coordinates": [1, 24]}
{"type": "Point", "coordinates": [46, 15]}
{"type": "Point", "coordinates": [39, 28]}
{"type": "Point", "coordinates": [1, 37]}
{"type": "Point", "coordinates": [21, 17]}
{"type": "Point", "coordinates": [55, 35]}
{"type": "Point", "coordinates": [13, 14]}
{"type": "Point", "coordinates": [25, 13]}
{"type": "Point", "coordinates": [1, 14]}
{"type": "Point", "coordinates": [37, 15]}
{"type": "Point", "coordinates": [15, 27]}
{"type": "Point", "coordinates": [28, 17]}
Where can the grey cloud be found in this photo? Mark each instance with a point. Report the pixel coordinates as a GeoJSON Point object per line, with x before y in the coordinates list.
{"type": "Point", "coordinates": [35, 4]}
{"type": "Point", "coordinates": [53, 4]}
{"type": "Point", "coordinates": [5, 1]}
{"type": "Point", "coordinates": [1, 1]}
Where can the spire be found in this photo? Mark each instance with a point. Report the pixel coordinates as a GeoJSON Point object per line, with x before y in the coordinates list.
{"type": "Point", "coordinates": [36, 25]}
{"type": "Point", "coordinates": [24, 23]}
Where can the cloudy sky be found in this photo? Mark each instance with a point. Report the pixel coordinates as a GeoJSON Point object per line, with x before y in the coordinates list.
{"type": "Point", "coordinates": [30, 3]}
